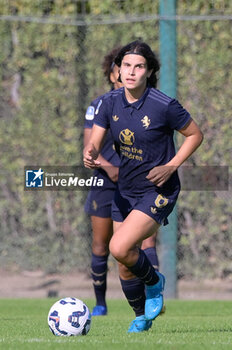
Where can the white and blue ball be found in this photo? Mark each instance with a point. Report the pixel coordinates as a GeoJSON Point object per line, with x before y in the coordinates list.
{"type": "Point", "coordinates": [69, 316]}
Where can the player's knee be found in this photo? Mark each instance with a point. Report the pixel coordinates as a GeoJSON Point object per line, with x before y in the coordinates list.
{"type": "Point", "coordinates": [100, 248]}
{"type": "Point", "coordinates": [118, 252]}
{"type": "Point", "coordinates": [114, 249]}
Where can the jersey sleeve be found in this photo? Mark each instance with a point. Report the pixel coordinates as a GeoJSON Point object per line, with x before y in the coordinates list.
{"type": "Point", "coordinates": [102, 113]}
{"type": "Point", "coordinates": [177, 116]}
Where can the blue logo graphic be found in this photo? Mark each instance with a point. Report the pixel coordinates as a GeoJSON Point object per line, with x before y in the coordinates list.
{"type": "Point", "coordinates": [34, 178]}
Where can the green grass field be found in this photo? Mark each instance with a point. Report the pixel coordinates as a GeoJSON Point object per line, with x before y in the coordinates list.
{"type": "Point", "coordinates": [186, 325]}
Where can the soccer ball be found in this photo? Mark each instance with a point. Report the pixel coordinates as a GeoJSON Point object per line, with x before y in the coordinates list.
{"type": "Point", "coordinates": [69, 316]}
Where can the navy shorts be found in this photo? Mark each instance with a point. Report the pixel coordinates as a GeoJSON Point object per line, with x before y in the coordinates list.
{"type": "Point", "coordinates": [154, 204]}
{"type": "Point", "coordinates": [99, 201]}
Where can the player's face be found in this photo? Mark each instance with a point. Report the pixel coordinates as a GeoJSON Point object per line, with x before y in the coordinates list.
{"type": "Point", "coordinates": [134, 72]}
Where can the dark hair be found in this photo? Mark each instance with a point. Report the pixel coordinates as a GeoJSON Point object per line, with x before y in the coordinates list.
{"type": "Point", "coordinates": [108, 62]}
{"type": "Point", "coordinates": [140, 48]}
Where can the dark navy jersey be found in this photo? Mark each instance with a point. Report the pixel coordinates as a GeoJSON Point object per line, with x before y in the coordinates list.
{"type": "Point", "coordinates": [108, 149]}
{"type": "Point", "coordinates": [143, 135]}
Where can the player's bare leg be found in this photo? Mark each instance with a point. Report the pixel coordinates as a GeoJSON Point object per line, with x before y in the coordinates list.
{"type": "Point", "coordinates": [102, 233]}
{"type": "Point", "coordinates": [129, 234]}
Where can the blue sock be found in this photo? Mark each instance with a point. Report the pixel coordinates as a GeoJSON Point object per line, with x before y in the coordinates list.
{"type": "Point", "coordinates": [135, 294]}
{"type": "Point", "coordinates": [152, 256]}
{"type": "Point", "coordinates": [99, 274]}
{"type": "Point", "coordinates": [144, 270]}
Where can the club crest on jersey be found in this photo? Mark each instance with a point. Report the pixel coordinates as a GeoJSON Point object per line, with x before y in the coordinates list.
{"type": "Point", "coordinates": [115, 118]}
{"type": "Point", "coordinates": [146, 121]}
{"type": "Point", "coordinates": [127, 137]}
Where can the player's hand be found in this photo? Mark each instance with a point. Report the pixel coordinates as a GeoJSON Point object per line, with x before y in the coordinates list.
{"type": "Point", "coordinates": [112, 172]}
{"type": "Point", "coordinates": [160, 174]}
{"type": "Point", "coordinates": [90, 155]}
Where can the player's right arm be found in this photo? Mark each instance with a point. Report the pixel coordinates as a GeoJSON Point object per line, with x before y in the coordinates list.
{"type": "Point", "coordinates": [93, 147]}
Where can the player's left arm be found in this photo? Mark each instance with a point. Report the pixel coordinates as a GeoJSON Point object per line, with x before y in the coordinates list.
{"type": "Point", "coordinates": [193, 138]}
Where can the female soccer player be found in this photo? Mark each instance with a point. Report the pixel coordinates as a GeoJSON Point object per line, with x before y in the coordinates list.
{"type": "Point", "coordinates": [142, 121]}
{"type": "Point", "coordinates": [98, 203]}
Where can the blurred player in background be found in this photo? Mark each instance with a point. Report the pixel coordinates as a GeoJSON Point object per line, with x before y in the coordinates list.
{"type": "Point", "coordinates": [98, 202]}
{"type": "Point", "coordinates": [142, 121]}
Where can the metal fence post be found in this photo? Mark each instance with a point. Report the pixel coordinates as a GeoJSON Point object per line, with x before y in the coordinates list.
{"type": "Point", "coordinates": [168, 84]}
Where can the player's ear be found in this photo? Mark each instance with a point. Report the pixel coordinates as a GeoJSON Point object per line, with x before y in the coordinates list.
{"type": "Point", "coordinates": [112, 78]}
